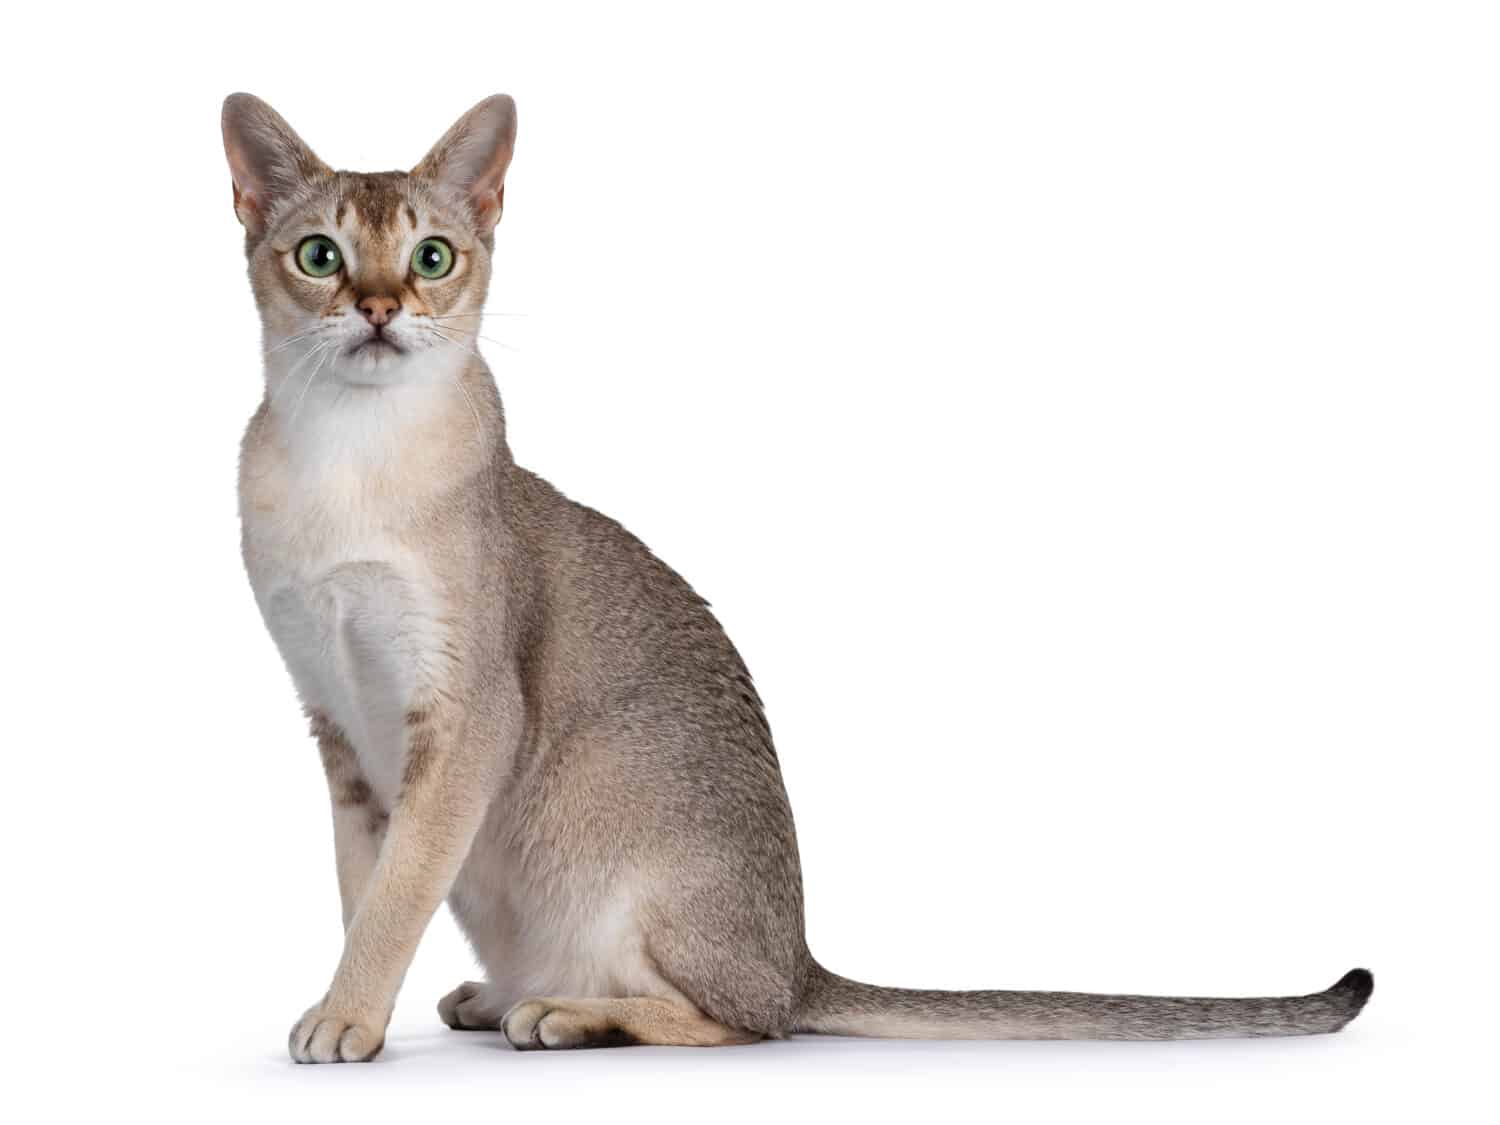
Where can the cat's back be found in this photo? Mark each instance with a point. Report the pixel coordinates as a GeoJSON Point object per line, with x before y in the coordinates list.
{"type": "Point", "coordinates": [609, 596]}
{"type": "Point", "coordinates": [647, 706]}
{"type": "Point", "coordinates": [621, 636]}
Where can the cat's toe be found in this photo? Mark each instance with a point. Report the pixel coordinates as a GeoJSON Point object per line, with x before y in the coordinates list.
{"type": "Point", "coordinates": [322, 1036]}
{"type": "Point", "coordinates": [521, 1022]}
{"type": "Point", "coordinates": [557, 1025]}
{"type": "Point", "coordinates": [472, 1006]}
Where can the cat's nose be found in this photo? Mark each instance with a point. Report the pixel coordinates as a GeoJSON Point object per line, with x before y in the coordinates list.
{"type": "Point", "coordinates": [379, 310]}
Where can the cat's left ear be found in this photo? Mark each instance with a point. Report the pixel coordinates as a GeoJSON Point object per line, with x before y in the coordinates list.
{"type": "Point", "coordinates": [267, 159]}
{"type": "Point", "coordinates": [472, 157]}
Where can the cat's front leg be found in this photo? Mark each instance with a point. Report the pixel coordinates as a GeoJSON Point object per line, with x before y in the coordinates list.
{"type": "Point", "coordinates": [358, 820]}
{"type": "Point", "coordinates": [449, 778]}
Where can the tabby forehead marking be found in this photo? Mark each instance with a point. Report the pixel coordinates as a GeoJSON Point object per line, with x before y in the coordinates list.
{"type": "Point", "coordinates": [378, 198]}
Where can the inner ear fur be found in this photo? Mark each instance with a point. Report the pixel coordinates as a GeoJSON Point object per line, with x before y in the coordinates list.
{"type": "Point", "coordinates": [471, 158]}
{"type": "Point", "coordinates": [267, 159]}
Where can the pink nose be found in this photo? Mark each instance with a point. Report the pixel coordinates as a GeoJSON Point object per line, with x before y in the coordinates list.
{"type": "Point", "coordinates": [379, 310]}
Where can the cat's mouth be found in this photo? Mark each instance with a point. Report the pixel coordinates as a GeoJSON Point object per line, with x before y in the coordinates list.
{"type": "Point", "coordinates": [376, 344]}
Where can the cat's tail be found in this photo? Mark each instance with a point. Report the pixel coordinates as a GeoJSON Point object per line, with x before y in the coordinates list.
{"type": "Point", "coordinates": [832, 1005]}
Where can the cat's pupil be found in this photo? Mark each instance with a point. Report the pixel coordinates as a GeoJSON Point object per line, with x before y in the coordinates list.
{"type": "Point", "coordinates": [431, 259]}
{"type": "Point", "coordinates": [321, 255]}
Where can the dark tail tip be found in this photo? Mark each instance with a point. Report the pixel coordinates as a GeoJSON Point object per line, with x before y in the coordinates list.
{"type": "Point", "coordinates": [1353, 989]}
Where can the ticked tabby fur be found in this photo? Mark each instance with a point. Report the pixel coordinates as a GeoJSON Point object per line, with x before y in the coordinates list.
{"type": "Point", "coordinates": [519, 708]}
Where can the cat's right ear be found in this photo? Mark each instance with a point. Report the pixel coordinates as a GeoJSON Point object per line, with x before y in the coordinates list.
{"type": "Point", "coordinates": [266, 159]}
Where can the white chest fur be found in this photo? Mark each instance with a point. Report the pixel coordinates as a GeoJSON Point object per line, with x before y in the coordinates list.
{"type": "Point", "coordinates": [357, 615]}
{"type": "Point", "coordinates": [346, 591]}
{"type": "Point", "coordinates": [358, 638]}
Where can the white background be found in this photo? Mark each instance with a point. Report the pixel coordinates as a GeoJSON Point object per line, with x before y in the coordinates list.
{"type": "Point", "coordinates": [1082, 417]}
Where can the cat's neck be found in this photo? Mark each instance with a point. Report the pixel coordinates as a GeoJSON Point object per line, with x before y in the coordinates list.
{"type": "Point", "coordinates": [419, 434]}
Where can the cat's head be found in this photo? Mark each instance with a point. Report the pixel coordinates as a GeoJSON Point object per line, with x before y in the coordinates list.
{"type": "Point", "coordinates": [371, 278]}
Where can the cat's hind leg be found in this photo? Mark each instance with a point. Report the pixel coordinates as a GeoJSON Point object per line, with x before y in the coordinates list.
{"type": "Point", "coordinates": [558, 1024]}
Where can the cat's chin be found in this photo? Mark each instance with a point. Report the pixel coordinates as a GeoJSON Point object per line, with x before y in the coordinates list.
{"type": "Point", "coordinates": [373, 365]}
{"type": "Point", "coordinates": [389, 376]}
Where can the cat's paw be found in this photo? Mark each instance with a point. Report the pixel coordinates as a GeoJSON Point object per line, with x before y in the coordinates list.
{"type": "Point", "coordinates": [556, 1025]}
{"type": "Point", "coordinates": [472, 1006]}
{"type": "Point", "coordinates": [323, 1036]}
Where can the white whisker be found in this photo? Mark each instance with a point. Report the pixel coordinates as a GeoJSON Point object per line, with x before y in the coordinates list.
{"type": "Point", "coordinates": [461, 316]}
{"type": "Point", "coordinates": [458, 381]}
{"type": "Point", "coordinates": [306, 386]}
{"type": "Point", "coordinates": [438, 334]}
{"type": "Point", "coordinates": [290, 340]}
{"type": "Point", "coordinates": [292, 371]}
{"type": "Point", "coordinates": [478, 426]}
{"type": "Point", "coordinates": [480, 336]}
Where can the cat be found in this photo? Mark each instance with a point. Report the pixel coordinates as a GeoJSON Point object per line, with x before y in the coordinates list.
{"type": "Point", "coordinates": [519, 709]}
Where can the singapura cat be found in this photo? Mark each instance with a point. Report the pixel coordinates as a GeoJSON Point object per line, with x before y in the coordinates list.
{"type": "Point", "coordinates": [519, 708]}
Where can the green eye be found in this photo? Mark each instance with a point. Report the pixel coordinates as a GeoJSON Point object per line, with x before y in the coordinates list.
{"type": "Point", "coordinates": [318, 256]}
{"type": "Point", "coordinates": [432, 259]}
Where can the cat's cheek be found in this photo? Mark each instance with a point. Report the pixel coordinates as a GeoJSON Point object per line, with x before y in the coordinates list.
{"type": "Point", "coordinates": [453, 294]}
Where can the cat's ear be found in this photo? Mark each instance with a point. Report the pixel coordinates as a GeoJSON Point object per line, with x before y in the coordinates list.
{"type": "Point", "coordinates": [472, 157]}
{"type": "Point", "coordinates": [266, 159]}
